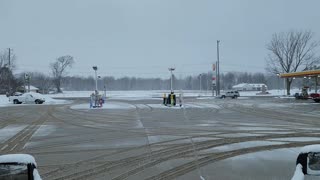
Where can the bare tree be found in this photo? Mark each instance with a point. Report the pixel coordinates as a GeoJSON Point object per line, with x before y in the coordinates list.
{"type": "Point", "coordinates": [59, 68]}
{"type": "Point", "coordinates": [8, 82]}
{"type": "Point", "coordinates": [291, 51]}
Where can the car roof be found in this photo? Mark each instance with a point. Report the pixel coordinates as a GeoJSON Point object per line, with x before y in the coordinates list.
{"type": "Point", "coordinates": [17, 158]}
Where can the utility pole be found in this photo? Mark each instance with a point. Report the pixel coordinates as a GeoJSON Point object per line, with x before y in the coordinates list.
{"type": "Point", "coordinates": [200, 75]}
{"type": "Point", "coordinates": [217, 79]}
{"type": "Point", "coordinates": [214, 78]}
{"type": "Point", "coordinates": [218, 69]}
{"type": "Point", "coordinates": [171, 84]}
{"type": "Point", "coordinates": [9, 61]}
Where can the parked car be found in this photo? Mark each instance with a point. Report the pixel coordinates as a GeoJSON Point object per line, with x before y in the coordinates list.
{"type": "Point", "coordinates": [18, 166]}
{"type": "Point", "coordinates": [315, 97]}
{"type": "Point", "coordinates": [27, 98]}
{"type": "Point", "coordinates": [232, 94]}
{"type": "Point", "coordinates": [17, 94]}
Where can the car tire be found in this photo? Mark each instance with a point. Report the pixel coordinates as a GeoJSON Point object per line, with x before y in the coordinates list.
{"type": "Point", "coordinates": [15, 101]}
{"type": "Point", "coordinates": [235, 97]}
{"type": "Point", "coordinates": [223, 97]}
{"type": "Point", "coordinates": [317, 100]}
{"type": "Point", "coordinates": [37, 101]}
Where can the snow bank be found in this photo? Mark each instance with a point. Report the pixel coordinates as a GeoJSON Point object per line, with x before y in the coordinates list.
{"type": "Point", "coordinates": [151, 94]}
{"type": "Point", "coordinates": [20, 158]}
{"type": "Point", "coordinates": [50, 100]}
{"type": "Point", "coordinates": [4, 101]}
{"type": "Point", "coordinates": [108, 105]}
{"type": "Point", "coordinates": [132, 95]}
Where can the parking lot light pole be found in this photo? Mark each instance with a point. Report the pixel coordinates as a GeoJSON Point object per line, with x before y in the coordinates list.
{"type": "Point", "coordinates": [218, 67]}
{"type": "Point", "coordinates": [171, 84]}
{"type": "Point", "coordinates": [278, 74]}
{"type": "Point", "coordinates": [95, 68]}
{"type": "Point", "coordinates": [200, 75]}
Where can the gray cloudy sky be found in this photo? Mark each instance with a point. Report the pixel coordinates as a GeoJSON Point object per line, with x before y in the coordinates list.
{"type": "Point", "coordinates": [144, 37]}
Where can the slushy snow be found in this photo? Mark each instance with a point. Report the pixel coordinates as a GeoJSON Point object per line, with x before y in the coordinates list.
{"type": "Point", "coordinates": [107, 105]}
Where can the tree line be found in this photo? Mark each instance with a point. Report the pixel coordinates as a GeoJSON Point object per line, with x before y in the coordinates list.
{"type": "Point", "coordinates": [45, 82]}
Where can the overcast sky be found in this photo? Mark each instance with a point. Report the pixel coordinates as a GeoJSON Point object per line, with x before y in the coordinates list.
{"type": "Point", "coordinates": [144, 37]}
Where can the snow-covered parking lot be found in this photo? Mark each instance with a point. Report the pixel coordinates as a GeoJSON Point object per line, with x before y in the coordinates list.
{"type": "Point", "coordinates": [138, 138]}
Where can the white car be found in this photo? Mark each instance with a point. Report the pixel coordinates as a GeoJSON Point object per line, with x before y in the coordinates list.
{"type": "Point", "coordinates": [232, 94]}
{"type": "Point", "coordinates": [27, 98]}
{"type": "Point", "coordinates": [18, 166]}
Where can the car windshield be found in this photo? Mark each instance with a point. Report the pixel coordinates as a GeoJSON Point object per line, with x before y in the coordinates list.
{"type": "Point", "coordinates": [13, 171]}
{"type": "Point", "coordinates": [160, 89]}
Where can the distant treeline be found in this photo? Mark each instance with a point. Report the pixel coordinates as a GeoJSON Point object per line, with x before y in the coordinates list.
{"type": "Point", "coordinates": [77, 83]}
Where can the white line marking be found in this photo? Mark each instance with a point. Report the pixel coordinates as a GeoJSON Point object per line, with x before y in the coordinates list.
{"type": "Point", "coordinates": [5, 146]}
{"type": "Point", "coordinates": [14, 147]}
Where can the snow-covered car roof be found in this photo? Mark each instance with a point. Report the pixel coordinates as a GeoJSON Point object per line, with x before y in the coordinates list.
{"type": "Point", "coordinates": [36, 95]}
{"type": "Point", "coordinates": [310, 148]}
{"type": "Point", "coordinates": [18, 158]}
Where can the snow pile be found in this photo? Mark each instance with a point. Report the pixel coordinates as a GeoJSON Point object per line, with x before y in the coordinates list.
{"type": "Point", "coordinates": [4, 100]}
{"type": "Point", "coordinates": [107, 105]}
{"type": "Point", "coordinates": [50, 100]}
{"type": "Point", "coordinates": [131, 95]}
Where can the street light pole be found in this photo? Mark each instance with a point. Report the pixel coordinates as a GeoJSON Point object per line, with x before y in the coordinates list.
{"type": "Point", "coordinates": [9, 62]}
{"type": "Point", "coordinates": [95, 68]}
{"type": "Point", "coordinates": [278, 74]}
{"type": "Point", "coordinates": [200, 75]}
{"type": "Point", "coordinates": [171, 84]}
{"type": "Point", "coordinates": [218, 69]}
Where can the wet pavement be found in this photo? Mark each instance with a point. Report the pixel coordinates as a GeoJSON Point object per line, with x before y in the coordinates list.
{"type": "Point", "coordinates": [249, 138]}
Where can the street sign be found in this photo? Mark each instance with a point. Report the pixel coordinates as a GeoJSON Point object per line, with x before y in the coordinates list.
{"type": "Point", "coordinates": [214, 80]}
{"type": "Point", "coordinates": [26, 77]}
{"type": "Point", "coordinates": [213, 67]}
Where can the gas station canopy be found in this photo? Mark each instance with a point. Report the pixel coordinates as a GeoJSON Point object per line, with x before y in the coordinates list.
{"type": "Point", "coordinates": [312, 73]}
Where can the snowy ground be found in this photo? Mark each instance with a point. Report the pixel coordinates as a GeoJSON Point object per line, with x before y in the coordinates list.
{"type": "Point", "coordinates": [107, 105]}
{"type": "Point", "coordinates": [251, 137]}
{"type": "Point", "coordinates": [139, 95]}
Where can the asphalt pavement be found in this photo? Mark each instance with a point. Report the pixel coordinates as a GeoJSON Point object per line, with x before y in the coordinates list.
{"type": "Point", "coordinates": [245, 138]}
